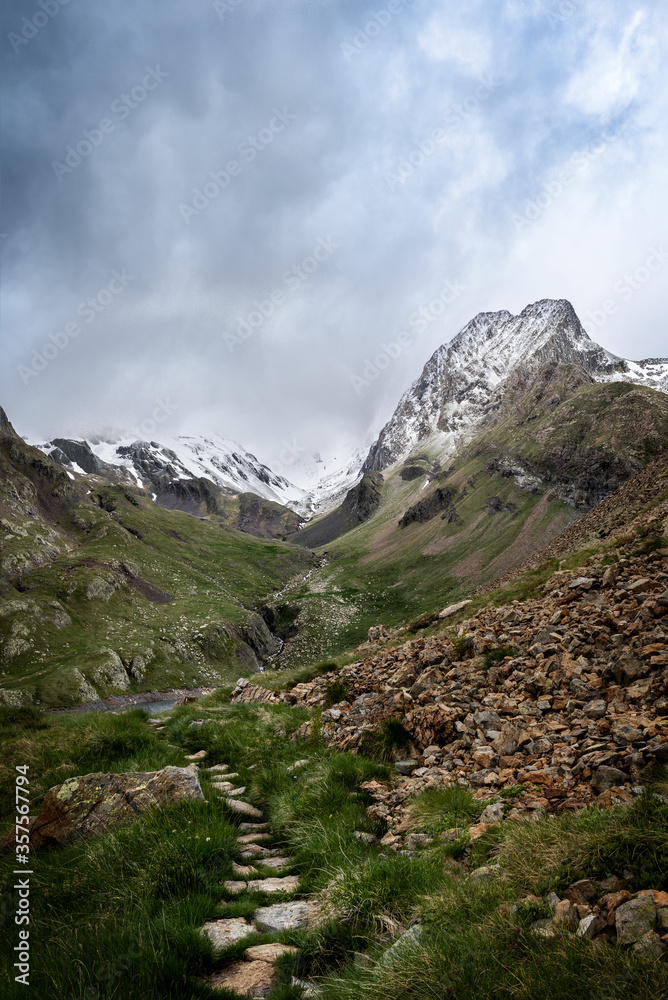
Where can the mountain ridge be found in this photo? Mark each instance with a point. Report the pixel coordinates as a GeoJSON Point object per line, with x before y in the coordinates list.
{"type": "Point", "coordinates": [460, 378]}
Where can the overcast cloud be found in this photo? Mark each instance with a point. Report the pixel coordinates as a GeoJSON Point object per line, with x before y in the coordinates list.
{"type": "Point", "coordinates": [547, 179]}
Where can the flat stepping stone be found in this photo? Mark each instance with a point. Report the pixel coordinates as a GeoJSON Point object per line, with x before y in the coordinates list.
{"type": "Point", "coordinates": [276, 863]}
{"type": "Point", "coordinates": [269, 952]}
{"type": "Point", "coordinates": [196, 756]}
{"type": "Point", "coordinates": [219, 767]}
{"type": "Point", "coordinates": [285, 916]}
{"type": "Point", "coordinates": [223, 786]}
{"type": "Point", "coordinates": [255, 851]}
{"type": "Point", "coordinates": [251, 838]}
{"type": "Point", "coordinates": [223, 933]}
{"type": "Point", "coordinates": [234, 888]}
{"type": "Point", "coordinates": [248, 979]}
{"type": "Point", "coordinates": [248, 827]}
{"type": "Point", "coordinates": [290, 883]}
{"type": "Point", "coordinates": [235, 791]}
{"type": "Point", "coordinates": [243, 869]}
{"type": "Point", "coordinates": [216, 779]}
{"type": "Point", "coordinates": [244, 808]}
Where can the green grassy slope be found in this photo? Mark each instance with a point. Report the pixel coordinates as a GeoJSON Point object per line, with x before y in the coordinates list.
{"type": "Point", "coordinates": [581, 439]}
{"type": "Point", "coordinates": [91, 570]}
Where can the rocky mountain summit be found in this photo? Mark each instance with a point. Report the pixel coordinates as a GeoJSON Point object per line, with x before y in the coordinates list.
{"type": "Point", "coordinates": [458, 382]}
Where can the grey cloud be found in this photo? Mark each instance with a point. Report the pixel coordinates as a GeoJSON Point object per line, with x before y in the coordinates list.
{"type": "Point", "coordinates": [324, 175]}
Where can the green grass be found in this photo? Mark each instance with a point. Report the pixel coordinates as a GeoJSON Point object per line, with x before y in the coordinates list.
{"type": "Point", "coordinates": [382, 743]}
{"type": "Point", "coordinates": [438, 809]}
{"type": "Point", "coordinates": [372, 577]}
{"type": "Point", "coordinates": [127, 557]}
{"type": "Point", "coordinates": [57, 747]}
{"type": "Point", "coordinates": [118, 916]}
{"type": "Point", "coordinates": [551, 854]}
{"type": "Point", "coordinates": [471, 949]}
{"type": "Point", "coordinates": [335, 692]}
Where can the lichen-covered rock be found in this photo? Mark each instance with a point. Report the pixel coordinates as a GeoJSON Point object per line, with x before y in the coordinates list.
{"type": "Point", "coordinates": [14, 698]}
{"type": "Point", "coordinates": [99, 589]}
{"type": "Point", "coordinates": [110, 672]}
{"type": "Point", "coordinates": [635, 919]}
{"type": "Point", "coordinates": [84, 806]}
{"type": "Point", "coordinates": [85, 692]}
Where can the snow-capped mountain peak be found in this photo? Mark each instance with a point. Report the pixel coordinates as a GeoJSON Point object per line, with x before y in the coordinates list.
{"type": "Point", "coordinates": [457, 382]}
{"type": "Point", "coordinates": [155, 464]}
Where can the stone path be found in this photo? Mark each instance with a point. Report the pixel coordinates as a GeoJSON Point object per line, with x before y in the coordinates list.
{"type": "Point", "coordinates": [256, 974]}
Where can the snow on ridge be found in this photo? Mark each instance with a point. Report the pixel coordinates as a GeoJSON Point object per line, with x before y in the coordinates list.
{"type": "Point", "coordinates": [460, 377]}
{"type": "Point", "coordinates": [226, 463]}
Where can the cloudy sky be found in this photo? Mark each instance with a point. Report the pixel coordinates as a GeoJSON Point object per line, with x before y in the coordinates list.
{"type": "Point", "coordinates": [234, 209]}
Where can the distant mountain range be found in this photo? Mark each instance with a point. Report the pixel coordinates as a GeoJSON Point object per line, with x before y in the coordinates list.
{"type": "Point", "coordinates": [446, 403]}
{"type": "Point", "coordinates": [135, 564]}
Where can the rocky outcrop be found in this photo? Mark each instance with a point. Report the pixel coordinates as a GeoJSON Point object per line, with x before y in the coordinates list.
{"type": "Point", "coordinates": [193, 496]}
{"type": "Point", "coordinates": [359, 505]}
{"type": "Point", "coordinates": [6, 429]}
{"type": "Point", "coordinates": [66, 452]}
{"type": "Point", "coordinates": [441, 500]}
{"type": "Point", "coordinates": [82, 807]}
{"type": "Point", "coordinates": [607, 517]}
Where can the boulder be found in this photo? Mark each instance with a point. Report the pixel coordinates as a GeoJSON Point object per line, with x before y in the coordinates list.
{"type": "Point", "coordinates": [406, 767]}
{"type": "Point", "coordinates": [109, 671]}
{"type": "Point", "coordinates": [634, 919]}
{"type": "Point", "coordinates": [608, 777]}
{"type": "Point", "coordinates": [493, 813]}
{"type": "Point", "coordinates": [84, 806]}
